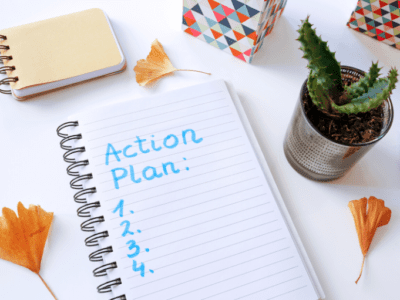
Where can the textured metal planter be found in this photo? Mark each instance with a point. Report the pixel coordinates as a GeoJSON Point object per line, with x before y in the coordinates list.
{"type": "Point", "coordinates": [317, 157]}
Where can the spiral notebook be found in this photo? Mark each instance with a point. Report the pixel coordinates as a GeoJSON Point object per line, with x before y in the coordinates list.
{"type": "Point", "coordinates": [179, 202]}
{"type": "Point", "coordinates": [57, 52]}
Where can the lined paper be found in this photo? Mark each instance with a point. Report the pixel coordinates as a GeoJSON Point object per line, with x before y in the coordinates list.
{"type": "Point", "coordinates": [191, 215]}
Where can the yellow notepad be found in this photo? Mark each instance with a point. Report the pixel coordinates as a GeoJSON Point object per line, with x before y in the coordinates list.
{"type": "Point", "coordinates": [60, 51]}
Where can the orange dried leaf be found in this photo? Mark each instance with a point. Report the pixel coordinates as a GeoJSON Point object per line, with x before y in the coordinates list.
{"type": "Point", "coordinates": [367, 221]}
{"type": "Point", "coordinates": [22, 239]}
{"type": "Point", "coordinates": [155, 66]}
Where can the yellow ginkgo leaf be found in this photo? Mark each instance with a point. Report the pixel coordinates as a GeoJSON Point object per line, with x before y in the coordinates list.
{"type": "Point", "coordinates": [22, 238]}
{"type": "Point", "coordinates": [155, 66]}
{"type": "Point", "coordinates": [367, 220]}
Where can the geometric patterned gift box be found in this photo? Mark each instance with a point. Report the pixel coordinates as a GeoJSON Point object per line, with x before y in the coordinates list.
{"type": "Point", "coordinates": [379, 19]}
{"type": "Point", "coordinates": [237, 27]}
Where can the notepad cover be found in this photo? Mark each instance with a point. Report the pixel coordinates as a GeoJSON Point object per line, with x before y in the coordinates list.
{"type": "Point", "coordinates": [60, 48]}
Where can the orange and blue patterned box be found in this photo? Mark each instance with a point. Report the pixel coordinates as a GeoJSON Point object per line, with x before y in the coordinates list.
{"type": "Point", "coordinates": [236, 27]}
{"type": "Point", "coordinates": [379, 19]}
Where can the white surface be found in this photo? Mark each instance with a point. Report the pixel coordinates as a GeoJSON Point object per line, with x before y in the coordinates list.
{"type": "Point", "coordinates": [33, 170]}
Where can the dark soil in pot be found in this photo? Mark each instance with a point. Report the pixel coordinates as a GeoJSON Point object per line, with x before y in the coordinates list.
{"type": "Point", "coordinates": [342, 128]}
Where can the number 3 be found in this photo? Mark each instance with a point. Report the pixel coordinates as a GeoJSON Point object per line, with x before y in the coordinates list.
{"type": "Point", "coordinates": [133, 245]}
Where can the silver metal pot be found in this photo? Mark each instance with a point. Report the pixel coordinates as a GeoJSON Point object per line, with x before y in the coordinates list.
{"type": "Point", "coordinates": [317, 157]}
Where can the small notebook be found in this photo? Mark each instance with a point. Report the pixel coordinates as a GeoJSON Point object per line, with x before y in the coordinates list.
{"type": "Point", "coordinates": [180, 203]}
{"type": "Point", "coordinates": [57, 52]}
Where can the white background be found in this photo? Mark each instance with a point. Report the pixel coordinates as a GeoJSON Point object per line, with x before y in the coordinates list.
{"type": "Point", "coordinates": [33, 172]}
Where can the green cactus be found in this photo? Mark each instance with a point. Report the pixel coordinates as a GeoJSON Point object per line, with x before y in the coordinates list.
{"type": "Point", "coordinates": [325, 72]}
{"type": "Point", "coordinates": [360, 87]}
{"type": "Point", "coordinates": [318, 90]}
{"type": "Point", "coordinates": [375, 95]}
{"type": "Point", "coordinates": [325, 83]}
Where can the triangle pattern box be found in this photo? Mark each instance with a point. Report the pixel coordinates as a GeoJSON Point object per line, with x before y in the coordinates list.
{"type": "Point", "coordinates": [237, 27]}
{"type": "Point", "coordinates": [379, 19]}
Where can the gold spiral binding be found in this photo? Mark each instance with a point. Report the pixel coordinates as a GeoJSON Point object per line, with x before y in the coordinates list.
{"type": "Point", "coordinates": [5, 57]}
{"type": "Point", "coordinates": [4, 47]}
{"type": "Point", "coordinates": [7, 80]}
{"type": "Point", "coordinates": [3, 70]}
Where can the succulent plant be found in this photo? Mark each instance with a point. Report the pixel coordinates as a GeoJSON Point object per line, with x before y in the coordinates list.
{"type": "Point", "coordinates": [325, 83]}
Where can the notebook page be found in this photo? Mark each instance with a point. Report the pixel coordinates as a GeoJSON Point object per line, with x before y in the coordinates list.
{"type": "Point", "coordinates": [188, 210]}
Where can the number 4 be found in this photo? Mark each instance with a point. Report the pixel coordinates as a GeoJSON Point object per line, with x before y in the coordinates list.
{"type": "Point", "coordinates": [136, 269]}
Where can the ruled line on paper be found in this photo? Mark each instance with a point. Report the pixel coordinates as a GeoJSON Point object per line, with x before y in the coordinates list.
{"type": "Point", "coordinates": [253, 282]}
{"type": "Point", "coordinates": [184, 151]}
{"type": "Point", "coordinates": [194, 157]}
{"type": "Point", "coordinates": [164, 113]}
{"type": "Point", "coordinates": [202, 265]}
{"type": "Point", "coordinates": [191, 167]}
{"type": "Point", "coordinates": [187, 197]}
{"type": "Point", "coordinates": [244, 284]}
{"type": "Point", "coordinates": [204, 223]}
{"type": "Point", "coordinates": [201, 203]}
{"type": "Point", "coordinates": [276, 295]}
{"type": "Point", "coordinates": [210, 241]}
{"type": "Point", "coordinates": [219, 207]}
{"type": "Point", "coordinates": [208, 231]}
{"type": "Point", "coordinates": [136, 111]}
{"type": "Point", "coordinates": [174, 119]}
{"type": "Point", "coordinates": [223, 177]}
{"type": "Point", "coordinates": [224, 216]}
{"type": "Point", "coordinates": [225, 257]}
{"type": "Point", "coordinates": [213, 210]}
{"type": "Point", "coordinates": [180, 126]}
{"type": "Point", "coordinates": [287, 292]}
{"type": "Point", "coordinates": [220, 271]}
{"type": "Point", "coordinates": [178, 190]}
{"type": "Point", "coordinates": [214, 250]}
{"type": "Point", "coordinates": [181, 188]}
{"type": "Point", "coordinates": [147, 134]}
{"type": "Point", "coordinates": [237, 286]}
{"type": "Point", "coordinates": [186, 179]}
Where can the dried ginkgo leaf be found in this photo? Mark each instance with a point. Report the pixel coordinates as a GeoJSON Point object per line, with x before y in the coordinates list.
{"type": "Point", "coordinates": [155, 66]}
{"type": "Point", "coordinates": [367, 221]}
{"type": "Point", "coordinates": [22, 239]}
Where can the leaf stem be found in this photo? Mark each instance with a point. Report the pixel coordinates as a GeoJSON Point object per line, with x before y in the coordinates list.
{"type": "Point", "coordinates": [192, 71]}
{"type": "Point", "coordinates": [47, 286]}
{"type": "Point", "coordinates": [362, 267]}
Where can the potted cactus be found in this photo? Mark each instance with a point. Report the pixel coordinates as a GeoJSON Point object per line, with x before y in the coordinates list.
{"type": "Point", "coordinates": [341, 113]}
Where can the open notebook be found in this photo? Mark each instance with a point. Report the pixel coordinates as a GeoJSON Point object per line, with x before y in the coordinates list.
{"type": "Point", "coordinates": [182, 203]}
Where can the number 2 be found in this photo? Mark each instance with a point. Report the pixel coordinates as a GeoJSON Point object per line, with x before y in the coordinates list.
{"type": "Point", "coordinates": [126, 231]}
